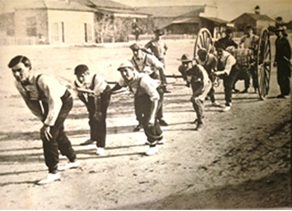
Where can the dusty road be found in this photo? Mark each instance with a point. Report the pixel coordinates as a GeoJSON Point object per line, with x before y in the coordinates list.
{"type": "Point", "coordinates": [240, 159]}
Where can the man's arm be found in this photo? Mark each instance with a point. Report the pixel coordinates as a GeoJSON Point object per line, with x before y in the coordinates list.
{"type": "Point", "coordinates": [150, 87]}
{"type": "Point", "coordinates": [230, 61]}
{"type": "Point", "coordinates": [53, 90]}
{"type": "Point", "coordinates": [153, 61]}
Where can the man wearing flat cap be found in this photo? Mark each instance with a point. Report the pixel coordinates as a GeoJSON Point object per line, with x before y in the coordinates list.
{"type": "Point", "coordinates": [149, 64]}
{"type": "Point", "coordinates": [147, 97]}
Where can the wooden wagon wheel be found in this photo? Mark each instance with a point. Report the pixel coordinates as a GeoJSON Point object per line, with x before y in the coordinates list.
{"type": "Point", "coordinates": [204, 40]}
{"type": "Point", "coordinates": [263, 64]}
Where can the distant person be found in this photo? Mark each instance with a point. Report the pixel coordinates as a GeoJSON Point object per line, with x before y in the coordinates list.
{"type": "Point", "coordinates": [136, 29]}
{"type": "Point", "coordinates": [282, 61]}
{"type": "Point", "coordinates": [149, 64]}
{"type": "Point", "coordinates": [95, 93]}
{"type": "Point", "coordinates": [227, 40]}
{"type": "Point", "coordinates": [200, 83]}
{"type": "Point", "coordinates": [51, 103]}
{"type": "Point", "coordinates": [227, 69]}
{"type": "Point", "coordinates": [186, 64]}
{"type": "Point", "coordinates": [159, 48]}
{"type": "Point", "coordinates": [249, 41]}
{"type": "Point", "coordinates": [146, 91]}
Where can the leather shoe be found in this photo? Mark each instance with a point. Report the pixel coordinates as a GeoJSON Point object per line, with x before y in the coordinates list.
{"type": "Point", "coordinates": [162, 122]}
{"type": "Point", "coordinates": [137, 128]}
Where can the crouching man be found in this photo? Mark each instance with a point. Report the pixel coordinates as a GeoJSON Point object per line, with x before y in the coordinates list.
{"type": "Point", "coordinates": [51, 102]}
{"type": "Point", "coordinates": [200, 83]}
{"type": "Point", "coordinates": [146, 91]}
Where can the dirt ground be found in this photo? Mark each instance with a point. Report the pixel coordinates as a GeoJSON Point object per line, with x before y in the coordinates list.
{"type": "Point", "coordinates": [241, 159]}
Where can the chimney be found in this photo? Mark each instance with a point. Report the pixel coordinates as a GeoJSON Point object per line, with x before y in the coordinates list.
{"type": "Point", "coordinates": [257, 10]}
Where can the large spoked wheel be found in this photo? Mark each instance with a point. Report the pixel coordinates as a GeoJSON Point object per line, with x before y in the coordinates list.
{"type": "Point", "coordinates": [204, 40]}
{"type": "Point", "coordinates": [264, 64]}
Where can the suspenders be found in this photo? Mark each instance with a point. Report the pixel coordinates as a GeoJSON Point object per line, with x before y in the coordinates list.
{"type": "Point", "coordinates": [144, 63]}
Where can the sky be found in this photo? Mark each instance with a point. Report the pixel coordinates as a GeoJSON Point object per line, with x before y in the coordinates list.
{"type": "Point", "coordinates": [227, 9]}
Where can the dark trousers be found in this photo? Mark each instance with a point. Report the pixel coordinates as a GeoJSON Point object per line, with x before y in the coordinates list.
{"type": "Point", "coordinates": [228, 81]}
{"type": "Point", "coordinates": [60, 140]}
{"type": "Point", "coordinates": [211, 94]}
{"type": "Point", "coordinates": [283, 77]}
{"type": "Point", "coordinates": [98, 127]}
{"type": "Point", "coordinates": [153, 132]}
{"type": "Point", "coordinates": [137, 108]}
{"type": "Point", "coordinates": [198, 105]}
{"type": "Point", "coordinates": [243, 75]}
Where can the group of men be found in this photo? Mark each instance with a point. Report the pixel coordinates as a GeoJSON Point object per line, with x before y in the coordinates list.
{"type": "Point", "coordinates": [144, 75]}
{"type": "Point", "coordinates": [232, 62]}
{"type": "Point", "coordinates": [51, 102]}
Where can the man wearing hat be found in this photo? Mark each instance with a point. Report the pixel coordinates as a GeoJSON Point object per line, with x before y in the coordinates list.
{"type": "Point", "coordinates": [95, 93]}
{"type": "Point", "coordinates": [149, 64]}
{"type": "Point", "coordinates": [186, 64]}
{"type": "Point", "coordinates": [147, 97]}
{"type": "Point", "coordinates": [158, 47]}
{"type": "Point", "coordinates": [51, 103]}
{"type": "Point", "coordinates": [282, 61]}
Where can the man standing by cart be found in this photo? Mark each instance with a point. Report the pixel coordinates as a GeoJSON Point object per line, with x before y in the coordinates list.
{"type": "Point", "coordinates": [282, 61]}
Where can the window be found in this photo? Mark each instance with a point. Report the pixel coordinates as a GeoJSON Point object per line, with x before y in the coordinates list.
{"type": "Point", "coordinates": [58, 34]}
{"type": "Point", "coordinates": [88, 32]}
{"type": "Point", "coordinates": [31, 26]}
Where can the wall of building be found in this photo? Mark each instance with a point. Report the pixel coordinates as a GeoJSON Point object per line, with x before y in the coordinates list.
{"type": "Point", "coordinates": [183, 28]}
{"type": "Point", "coordinates": [69, 27]}
{"type": "Point", "coordinates": [31, 23]}
{"type": "Point", "coordinates": [243, 21]}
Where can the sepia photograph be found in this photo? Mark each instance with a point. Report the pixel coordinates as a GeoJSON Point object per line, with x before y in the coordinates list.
{"type": "Point", "coordinates": [145, 105]}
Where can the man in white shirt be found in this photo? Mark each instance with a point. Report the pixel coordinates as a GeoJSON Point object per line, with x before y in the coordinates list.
{"type": "Point", "coordinates": [95, 93]}
{"type": "Point", "coordinates": [51, 103]}
{"type": "Point", "coordinates": [146, 91]}
{"type": "Point", "coordinates": [227, 69]}
{"type": "Point", "coordinates": [149, 64]}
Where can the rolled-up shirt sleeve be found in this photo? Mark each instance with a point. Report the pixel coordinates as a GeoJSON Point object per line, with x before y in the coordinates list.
{"type": "Point", "coordinates": [99, 85]}
{"type": "Point", "coordinates": [154, 62]}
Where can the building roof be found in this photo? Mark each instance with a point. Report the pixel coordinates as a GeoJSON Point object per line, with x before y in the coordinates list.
{"type": "Point", "coordinates": [104, 4]}
{"type": "Point", "coordinates": [168, 11]}
{"type": "Point", "coordinates": [186, 20]}
{"type": "Point", "coordinates": [255, 17]}
{"type": "Point", "coordinates": [55, 5]}
{"type": "Point", "coordinates": [217, 21]}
